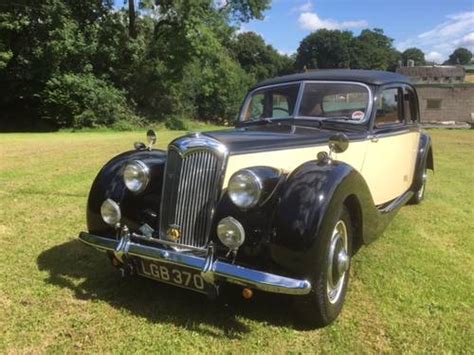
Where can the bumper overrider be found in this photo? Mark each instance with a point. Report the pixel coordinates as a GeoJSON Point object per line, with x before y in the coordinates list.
{"type": "Point", "coordinates": [213, 271]}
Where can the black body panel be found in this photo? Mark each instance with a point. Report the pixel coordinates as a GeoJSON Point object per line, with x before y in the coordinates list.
{"type": "Point", "coordinates": [276, 136]}
{"type": "Point", "coordinates": [424, 159]}
{"type": "Point", "coordinates": [309, 200]}
{"type": "Point", "coordinates": [136, 208]}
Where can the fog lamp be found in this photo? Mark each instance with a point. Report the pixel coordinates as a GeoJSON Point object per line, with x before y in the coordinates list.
{"type": "Point", "coordinates": [231, 233]}
{"type": "Point", "coordinates": [110, 212]}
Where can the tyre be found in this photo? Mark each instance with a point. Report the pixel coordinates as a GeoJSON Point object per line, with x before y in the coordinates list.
{"type": "Point", "coordinates": [330, 276]}
{"type": "Point", "coordinates": [419, 195]}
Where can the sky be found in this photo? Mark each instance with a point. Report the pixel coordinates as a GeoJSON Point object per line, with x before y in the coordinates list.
{"type": "Point", "coordinates": [435, 26]}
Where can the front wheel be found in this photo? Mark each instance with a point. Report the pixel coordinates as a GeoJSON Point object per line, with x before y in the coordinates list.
{"type": "Point", "coordinates": [331, 275]}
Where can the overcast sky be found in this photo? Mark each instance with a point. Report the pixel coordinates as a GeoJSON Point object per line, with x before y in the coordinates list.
{"type": "Point", "coordinates": [435, 26]}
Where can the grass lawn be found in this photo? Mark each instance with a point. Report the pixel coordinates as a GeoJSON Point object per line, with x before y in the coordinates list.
{"type": "Point", "coordinates": [411, 290]}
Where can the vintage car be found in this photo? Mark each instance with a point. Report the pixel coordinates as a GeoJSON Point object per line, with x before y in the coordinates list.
{"type": "Point", "coordinates": [317, 166]}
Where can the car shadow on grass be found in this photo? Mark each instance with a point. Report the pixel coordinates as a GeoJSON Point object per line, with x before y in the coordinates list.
{"type": "Point", "coordinates": [90, 275]}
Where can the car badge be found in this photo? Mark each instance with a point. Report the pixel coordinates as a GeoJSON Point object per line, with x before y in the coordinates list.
{"type": "Point", "coordinates": [173, 233]}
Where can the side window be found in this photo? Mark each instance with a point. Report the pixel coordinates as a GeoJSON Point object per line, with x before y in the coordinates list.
{"type": "Point", "coordinates": [280, 106]}
{"type": "Point", "coordinates": [409, 106]}
{"type": "Point", "coordinates": [388, 108]}
{"type": "Point", "coordinates": [256, 107]}
{"type": "Point", "coordinates": [278, 102]}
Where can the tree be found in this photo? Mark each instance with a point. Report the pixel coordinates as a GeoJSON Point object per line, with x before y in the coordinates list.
{"type": "Point", "coordinates": [414, 54]}
{"type": "Point", "coordinates": [258, 58]}
{"type": "Point", "coordinates": [325, 49]}
{"type": "Point", "coordinates": [460, 56]}
{"type": "Point", "coordinates": [245, 10]}
{"type": "Point", "coordinates": [372, 49]}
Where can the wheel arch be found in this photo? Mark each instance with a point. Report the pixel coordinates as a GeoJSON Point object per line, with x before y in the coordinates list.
{"type": "Point", "coordinates": [310, 199]}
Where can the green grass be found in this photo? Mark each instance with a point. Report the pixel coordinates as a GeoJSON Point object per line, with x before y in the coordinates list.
{"type": "Point", "coordinates": [412, 290]}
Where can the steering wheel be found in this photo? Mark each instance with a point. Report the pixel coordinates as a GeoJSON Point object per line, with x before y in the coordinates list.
{"type": "Point", "coordinates": [281, 109]}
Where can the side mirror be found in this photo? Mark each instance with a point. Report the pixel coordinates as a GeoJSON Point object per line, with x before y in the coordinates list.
{"type": "Point", "coordinates": [338, 143]}
{"type": "Point", "coordinates": [151, 138]}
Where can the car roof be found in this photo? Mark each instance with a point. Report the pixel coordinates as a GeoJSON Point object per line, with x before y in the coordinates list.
{"type": "Point", "coordinates": [371, 77]}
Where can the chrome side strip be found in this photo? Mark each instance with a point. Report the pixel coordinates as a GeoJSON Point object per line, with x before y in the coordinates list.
{"type": "Point", "coordinates": [211, 269]}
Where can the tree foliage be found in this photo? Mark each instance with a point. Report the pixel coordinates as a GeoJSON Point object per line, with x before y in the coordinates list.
{"type": "Point", "coordinates": [324, 49]}
{"type": "Point", "coordinates": [258, 58]}
{"type": "Point", "coordinates": [460, 56]}
{"type": "Point", "coordinates": [83, 63]}
{"type": "Point", "coordinates": [414, 54]}
{"type": "Point", "coordinates": [69, 63]}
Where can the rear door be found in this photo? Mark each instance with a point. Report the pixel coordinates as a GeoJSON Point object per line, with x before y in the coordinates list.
{"type": "Point", "coordinates": [391, 153]}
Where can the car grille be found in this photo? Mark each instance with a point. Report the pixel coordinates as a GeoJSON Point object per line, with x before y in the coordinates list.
{"type": "Point", "coordinates": [190, 190]}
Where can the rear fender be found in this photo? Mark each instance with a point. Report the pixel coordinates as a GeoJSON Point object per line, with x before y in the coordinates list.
{"type": "Point", "coordinates": [424, 158]}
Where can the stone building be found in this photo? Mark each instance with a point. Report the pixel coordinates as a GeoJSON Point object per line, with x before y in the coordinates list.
{"type": "Point", "coordinates": [443, 92]}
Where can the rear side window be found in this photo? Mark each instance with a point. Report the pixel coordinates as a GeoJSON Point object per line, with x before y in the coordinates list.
{"type": "Point", "coordinates": [389, 107]}
{"type": "Point", "coordinates": [409, 106]}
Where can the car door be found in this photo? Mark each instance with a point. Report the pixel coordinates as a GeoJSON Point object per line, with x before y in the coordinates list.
{"type": "Point", "coordinates": [391, 153]}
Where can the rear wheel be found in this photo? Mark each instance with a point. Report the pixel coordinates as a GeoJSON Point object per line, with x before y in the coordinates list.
{"type": "Point", "coordinates": [331, 275]}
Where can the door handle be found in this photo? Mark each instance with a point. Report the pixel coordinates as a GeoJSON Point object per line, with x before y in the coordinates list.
{"type": "Point", "coordinates": [374, 139]}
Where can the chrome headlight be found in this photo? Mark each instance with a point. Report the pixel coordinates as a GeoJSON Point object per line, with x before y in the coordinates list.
{"type": "Point", "coordinates": [136, 176]}
{"type": "Point", "coordinates": [245, 188]}
{"type": "Point", "coordinates": [110, 212]}
{"type": "Point", "coordinates": [231, 233]}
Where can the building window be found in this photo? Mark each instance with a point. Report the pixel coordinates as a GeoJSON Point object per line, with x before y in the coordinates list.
{"type": "Point", "coordinates": [433, 104]}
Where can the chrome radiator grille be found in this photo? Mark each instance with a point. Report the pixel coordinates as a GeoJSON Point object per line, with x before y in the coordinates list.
{"type": "Point", "coordinates": [190, 190]}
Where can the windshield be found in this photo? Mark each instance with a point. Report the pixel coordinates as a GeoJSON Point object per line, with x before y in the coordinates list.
{"type": "Point", "coordinates": [274, 102]}
{"type": "Point", "coordinates": [319, 100]}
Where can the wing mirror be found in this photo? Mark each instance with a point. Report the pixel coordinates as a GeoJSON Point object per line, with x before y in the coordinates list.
{"type": "Point", "coordinates": [338, 143]}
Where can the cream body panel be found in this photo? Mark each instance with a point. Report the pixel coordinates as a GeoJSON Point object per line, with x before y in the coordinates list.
{"type": "Point", "coordinates": [289, 159]}
{"type": "Point", "coordinates": [390, 165]}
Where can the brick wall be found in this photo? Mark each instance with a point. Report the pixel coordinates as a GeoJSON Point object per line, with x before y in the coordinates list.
{"type": "Point", "coordinates": [457, 102]}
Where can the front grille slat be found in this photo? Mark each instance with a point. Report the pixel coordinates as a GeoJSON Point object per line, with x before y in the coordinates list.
{"type": "Point", "coordinates": [189, 202]}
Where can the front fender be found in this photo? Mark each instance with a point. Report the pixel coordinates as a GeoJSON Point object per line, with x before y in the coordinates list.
{"type": "Point", "coordinates": [136, 208]}
{"type": "Point", "coordinates": [309, 203]}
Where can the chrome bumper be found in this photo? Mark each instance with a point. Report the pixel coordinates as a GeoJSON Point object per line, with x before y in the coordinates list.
{"type": "Point", "coordinates": [212, 270]}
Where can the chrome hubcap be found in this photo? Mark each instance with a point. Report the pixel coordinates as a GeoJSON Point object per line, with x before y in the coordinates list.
{"type": "Point", "coordinates": [338, 262]}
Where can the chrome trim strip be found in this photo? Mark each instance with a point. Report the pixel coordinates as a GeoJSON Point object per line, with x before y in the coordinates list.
{"type": "Point", "coordinates": [213, 269]}
{"type": "Point", "coordinates": [199, 148]}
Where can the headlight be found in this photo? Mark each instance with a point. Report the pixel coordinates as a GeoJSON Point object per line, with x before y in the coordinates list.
{"type": "Point", "coordinates": [110, 212]}
{"type": "Point", "coordinates": [245, 188]}
{"type": "Point", "coordinates": [136, 176]}
{"type": "Point", "coordinates": [231, 233]}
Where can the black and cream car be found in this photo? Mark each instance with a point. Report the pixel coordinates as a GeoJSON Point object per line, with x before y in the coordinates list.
{"type": "Point", "coordinates": [316, 167]}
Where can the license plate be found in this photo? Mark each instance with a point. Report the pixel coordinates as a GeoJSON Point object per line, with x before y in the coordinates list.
{"type": "Point", "coordinates": [172, 274]}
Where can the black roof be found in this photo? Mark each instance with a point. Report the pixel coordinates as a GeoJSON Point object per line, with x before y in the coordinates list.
{"type": "Point", "coordinates": [373, 77]}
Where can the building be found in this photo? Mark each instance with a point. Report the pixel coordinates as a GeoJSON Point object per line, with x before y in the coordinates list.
{"type": "Point", "coordinates": [443, 91]}
{"type": "Point", "coordinates": [469, 69]}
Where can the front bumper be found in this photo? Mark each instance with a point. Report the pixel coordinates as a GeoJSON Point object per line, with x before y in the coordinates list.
{"type": "Point", "coordinates": [212, 270]}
